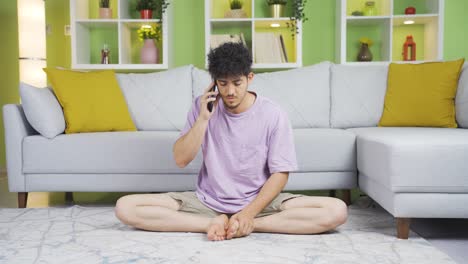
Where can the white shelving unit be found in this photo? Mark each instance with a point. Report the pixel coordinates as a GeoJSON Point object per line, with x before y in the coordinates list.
{"type": "Point", "coordinates": [89, 33]}
{"type": "Point", "coordinates": [388, 30]}
{"type": "Point", "coordinates": [256, 21]}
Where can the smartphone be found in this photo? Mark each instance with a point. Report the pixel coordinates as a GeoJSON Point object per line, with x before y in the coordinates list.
{"type": "Point", "coordinates": [210, 104]}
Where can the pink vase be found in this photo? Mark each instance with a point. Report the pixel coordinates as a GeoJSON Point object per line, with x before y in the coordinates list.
{"type": "Point", "coordinates": [105, 13]}
{"type": "Point", "coordinates": [149, 52]}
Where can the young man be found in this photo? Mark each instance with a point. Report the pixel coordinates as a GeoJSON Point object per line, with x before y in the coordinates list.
{"type": "Point", "coordinates": [248, 152]}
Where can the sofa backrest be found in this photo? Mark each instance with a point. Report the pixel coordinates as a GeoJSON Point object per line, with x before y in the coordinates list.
{"type": "Point", "coordinates": [357, 94]}
{"type": "Point", "coordinates": [158, 101]}
{"type": "Point", "coordinates": [304, 93]}
{"type": "Point", "coordinates": [321, 95]}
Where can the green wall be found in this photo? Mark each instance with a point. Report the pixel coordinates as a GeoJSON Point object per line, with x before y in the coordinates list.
{"type": "Point", "coordinates": [188, 38]}
{"type": "Point", "coordinates": [8, 64]}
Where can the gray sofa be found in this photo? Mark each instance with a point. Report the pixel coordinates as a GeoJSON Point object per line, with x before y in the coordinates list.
{"type": "Point", "coordinates": [334, 110]}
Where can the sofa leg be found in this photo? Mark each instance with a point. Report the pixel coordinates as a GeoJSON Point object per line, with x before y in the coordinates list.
{"type": "Point", "coordinates": [332, 193]}
{"type": "Point", "coordinates": [22, 199]}
{"type": "Point", "coordinates": [69, 197]}
{"type": "Point", "coordinates": [403, 225]}
{"type": "Point", "coordinates": [346, 196]}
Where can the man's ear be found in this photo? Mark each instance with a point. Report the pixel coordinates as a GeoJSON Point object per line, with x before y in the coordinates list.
{"type": "Point", "coordinates": [250, 77]}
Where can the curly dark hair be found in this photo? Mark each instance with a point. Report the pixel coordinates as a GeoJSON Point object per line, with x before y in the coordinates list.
{"type": "Point", "coordinates": [229, 59]}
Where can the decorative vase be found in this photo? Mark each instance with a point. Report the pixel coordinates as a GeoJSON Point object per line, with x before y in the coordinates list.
{"type": "Point", "coordinates": [370, 9]}
{"type": "Point", "coordinates": [146, 14]}
{"type": "Point", "coordinates": [364, 53]}
{"type": "Point", "coordinates": [149, 52]}
{"type": "Point", "coordinates": [235, 13]}
{"type": "Point", "coordinates": [105, 13]}
{"type": "Point", "coordinates": [276, 10]}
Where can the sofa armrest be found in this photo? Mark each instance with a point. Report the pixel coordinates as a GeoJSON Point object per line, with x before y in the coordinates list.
{"type": "Point", "coordinates": [16, 128]}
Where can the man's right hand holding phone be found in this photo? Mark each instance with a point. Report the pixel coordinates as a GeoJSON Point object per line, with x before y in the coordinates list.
{"type": "Point", "coordinates": [210, 95]}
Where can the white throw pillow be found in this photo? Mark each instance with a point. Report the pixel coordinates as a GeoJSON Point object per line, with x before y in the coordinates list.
{"type": "Point", "coordinates": [357, 95]}
{"type": "Point", "coordinates": [42, 110]}
{"type": "Point", "coordinates": [304, 93]}
{"type": "Point", "coordinates": [201, 79]}
{"type": "Point", "coordinates": [159, 100]}
{"type": "Point", "coordinates": [461, 100]}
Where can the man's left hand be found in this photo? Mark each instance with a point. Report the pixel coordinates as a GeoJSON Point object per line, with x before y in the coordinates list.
{"type": "Point", "coordinates": [240, 224]}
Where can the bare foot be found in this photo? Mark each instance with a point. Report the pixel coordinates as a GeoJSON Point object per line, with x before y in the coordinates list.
{"type": "Point", "coordinates": [232, 229]}
{"type": "Point", "coordinates": [217, 229]}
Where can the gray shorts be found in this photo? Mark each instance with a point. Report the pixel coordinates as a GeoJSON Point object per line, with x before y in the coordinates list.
{"type": "Point", "coordinates": [190, 203]}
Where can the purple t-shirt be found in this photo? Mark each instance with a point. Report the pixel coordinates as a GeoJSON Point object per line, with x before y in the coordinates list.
{"type": "Point", "coordinates": [240, 152]}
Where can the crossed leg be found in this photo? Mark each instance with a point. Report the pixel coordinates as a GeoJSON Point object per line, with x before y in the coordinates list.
{"type": "Point", "coordinates": [301, 215]}
{"type": "Point", "coordinates": [160, 212]}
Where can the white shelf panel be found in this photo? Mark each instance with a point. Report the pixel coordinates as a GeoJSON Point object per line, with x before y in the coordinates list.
{"type": "Point", "coordinates": [140, 20]}
{"type": "Point", "coordinates": [120, 66]}
{"type": "Point", "coordinates": [369, 20]}
{"type": "Point", "coordinates": [229, 20]}
{"type": "Point", "coordinates": [418, 19]}
{"type": "Point", "coordinates": [97, 23]}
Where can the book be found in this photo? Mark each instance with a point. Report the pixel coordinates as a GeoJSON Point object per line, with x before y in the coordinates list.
{"type": "Point", "coordinates": [218, 39]}
{"type": "Point", "coordinates": [283, 48]}
{"type": "Point", "coordinates": [268, 48]}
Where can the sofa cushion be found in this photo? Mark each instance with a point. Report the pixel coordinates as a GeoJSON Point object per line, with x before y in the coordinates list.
{"type": "Point", "coordinates": [42, 110]}
{"type": "Point", "coordinates": [91, 101]}
{"type": "Point", "coordinates": [201, 79]}
{"type": "Point", "coordinates": [461, 100]}
{"type": "Point", "coordinates": [158, 101]}
{"type": "Point", "coordinates": [357, 95]}
{"type": "Point", "coordinates": [325, 150]}
{"type": "Point", "coordinates": [304, 93]}
{"type": "Point", "coordinates": [104, 152]}
{"type": "Point", "coordinates": [421, 95]}
{"type": "Point", "coordinates": [405, 159]}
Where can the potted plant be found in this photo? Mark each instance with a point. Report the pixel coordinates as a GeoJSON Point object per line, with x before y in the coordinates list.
{"type": "Point", "coordinates": [235, 10]}
{"type": "Point", "coordinates": [146, 8]}
{"type": "Point", "coordinates": [298, 15]}
{"type": "Point", "coordinates": [276, 7]}
{"type": "Point", "coordinates": [104, 9]}
{"type": "Point", "coordinates": [149, 52]}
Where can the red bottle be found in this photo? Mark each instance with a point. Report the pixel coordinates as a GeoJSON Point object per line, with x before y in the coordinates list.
{"type": "Point", "coordinates": [411, 46]}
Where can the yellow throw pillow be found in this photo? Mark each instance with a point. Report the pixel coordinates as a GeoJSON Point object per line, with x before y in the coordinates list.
{"type": "Point", "coordinates": [91, 101]}
{"type": "Point", "coordinates": [421, 95]}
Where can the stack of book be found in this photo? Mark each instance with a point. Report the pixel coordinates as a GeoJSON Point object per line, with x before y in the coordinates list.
{"type": "Point", "coordinates": [270, 48]}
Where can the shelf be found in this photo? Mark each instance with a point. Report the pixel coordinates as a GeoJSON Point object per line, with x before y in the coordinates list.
{"type": "Point", "coordinates": [218, 8]}
{"type": "Point", "coordinates": [383, 7]}
{"type": "Point", "coordinates": [216, 23]}
{"type": "Point", "coordinates": [97, 23]}
{"type": "Point", "coordinates": [388, 30]}
{"type": "Point", "coordinates": [418, 19]}
{"type": "Point", "coordinates": [120, 66]}
{"type": "Point", "coordinates": [422, 6]}
{"type": "Point", "coordinates": [89, 34]}
{"type": "Point", "coordinates": [367, 20]}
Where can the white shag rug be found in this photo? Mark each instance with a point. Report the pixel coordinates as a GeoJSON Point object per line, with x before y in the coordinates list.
{"type": "Point", "coordinates": [79, 234]}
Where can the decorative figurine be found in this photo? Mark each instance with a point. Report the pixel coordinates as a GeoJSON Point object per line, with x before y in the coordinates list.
{"type": "Point", "coordinates": [411, 45]}
{"type": "Point", "coordinates": [105, 55]}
